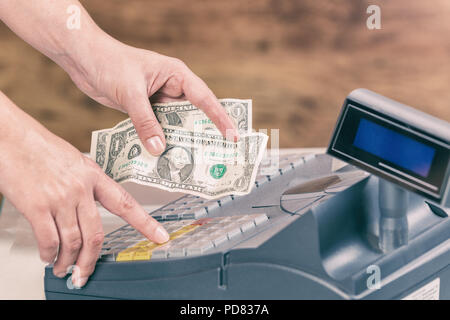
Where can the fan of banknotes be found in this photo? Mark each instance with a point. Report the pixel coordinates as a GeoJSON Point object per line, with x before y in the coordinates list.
{"type": "Point", "coordinates": [197, 160]}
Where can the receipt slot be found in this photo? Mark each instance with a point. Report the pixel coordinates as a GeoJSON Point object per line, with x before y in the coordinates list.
{"type": "Point", "coordinates": [407, 149]}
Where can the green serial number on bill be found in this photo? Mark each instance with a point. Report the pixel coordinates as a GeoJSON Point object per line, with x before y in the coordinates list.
{"type": "Point", "coordinates": [133, 162]}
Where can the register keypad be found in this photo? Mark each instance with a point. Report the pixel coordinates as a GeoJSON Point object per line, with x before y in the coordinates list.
{"type": "Point", "coordinates": [187, 238]}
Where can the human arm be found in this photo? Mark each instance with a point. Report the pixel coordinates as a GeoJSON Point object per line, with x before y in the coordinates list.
{"type": "Point", "coordinates": [55, 187]}
{"type": "Point", "coordinates": [114, 74]}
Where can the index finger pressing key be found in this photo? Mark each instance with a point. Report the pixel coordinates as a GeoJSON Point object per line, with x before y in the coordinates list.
{"type": "Point", "coordinates": [118, 201]}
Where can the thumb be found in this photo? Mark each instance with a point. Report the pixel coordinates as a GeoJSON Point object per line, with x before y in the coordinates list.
{"type": "Point", "coordinates": [146, 124]}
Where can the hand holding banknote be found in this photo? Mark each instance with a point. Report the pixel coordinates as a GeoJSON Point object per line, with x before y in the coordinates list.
{"type": "Point", "coordinates": [197, 159]}
{"type": "Point", "coordinates": [124, 78]}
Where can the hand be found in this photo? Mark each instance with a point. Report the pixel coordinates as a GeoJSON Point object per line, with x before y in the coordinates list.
{"type": "Point", "coordinates": [55, 187]}
{"type": "Point", "coordinates": [123, 78]}
{"type": "Point", "coordinates": [110, 72]}
{"type": "Point", "coordinates": [46, 178]}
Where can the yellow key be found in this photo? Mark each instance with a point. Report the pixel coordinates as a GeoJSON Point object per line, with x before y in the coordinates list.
{"type": "Point", "coordinates": [142, 243]}
{"type": "Point", "coordinates": [182, 231]}
{"type": "Point", "coordinates": [190, 227]}
{"type": "Point", "coordinates": [148, 248]}
{"type": "Point", "coordinates": [126, 255]}
{"type": "Point", "coordinates": [143, 250]}
{"type": "Point", "coordinates": [142, 254]}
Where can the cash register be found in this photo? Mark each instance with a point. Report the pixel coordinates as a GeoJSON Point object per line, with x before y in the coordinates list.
{"type": "Point", "coordinates": [376, 228]}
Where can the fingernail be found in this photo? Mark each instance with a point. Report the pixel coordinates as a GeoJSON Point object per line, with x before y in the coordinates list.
{"type": "Point", "coordinates": [232, 135]}
{"type": "Point", "coordinates": [161, 235]}
{"type": "Point", "coordinates": [61, 274]}
{"type": "Point", "coordinates": [78, 283]}
{"type": "Point", "coordinates": [155, 145]}
{"type": "Point", "coordinates": [236, 136]}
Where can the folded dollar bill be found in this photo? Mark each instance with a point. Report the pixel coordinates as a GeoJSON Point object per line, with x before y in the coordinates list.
{"type": "Point", "coordinates": [197, 161]}
{"type": "Point", "coordinates": [185, 115]}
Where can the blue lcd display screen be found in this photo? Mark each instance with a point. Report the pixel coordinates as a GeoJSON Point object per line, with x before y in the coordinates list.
{"type": "Point", "coordinates": [394, 147]}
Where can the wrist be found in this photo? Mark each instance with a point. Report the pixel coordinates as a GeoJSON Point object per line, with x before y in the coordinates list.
{"type": "Point", "coordinates": [49, 27]}
{"type": "Point", "coordinates": [19, 133]}
{"type": "Point", "coordinates": [78, 55]}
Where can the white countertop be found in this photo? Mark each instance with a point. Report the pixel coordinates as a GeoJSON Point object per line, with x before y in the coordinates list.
{"type": "Point", "coordinates": [21, 270]}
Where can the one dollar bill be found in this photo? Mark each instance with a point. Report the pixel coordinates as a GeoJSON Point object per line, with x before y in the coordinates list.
{"type": "Point", "coordinates": [197, 162]}
{"type": "Point", "coordinates": [185, 115]}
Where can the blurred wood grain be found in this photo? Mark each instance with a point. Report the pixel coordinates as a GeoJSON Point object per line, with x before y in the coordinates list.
{"type": "Point", "coordinates": [297, 60]}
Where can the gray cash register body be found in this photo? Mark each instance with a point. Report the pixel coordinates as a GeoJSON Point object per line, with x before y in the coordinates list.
{"type": "Point", "coordinates": [322, 238]}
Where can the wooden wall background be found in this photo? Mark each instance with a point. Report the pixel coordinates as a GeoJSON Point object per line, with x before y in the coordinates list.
{"type": "Point", "coordinates": [297, 59]}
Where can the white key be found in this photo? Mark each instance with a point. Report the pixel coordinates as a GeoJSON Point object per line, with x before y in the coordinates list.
{"type": "Point", "coordinates": [174, 215]}
{"type": "Point", "coordinates": [176, 252]}
{"type": "Point", "coordinates": [261, 179]}
{"type": "Point", "coordinates": [259, 218]}
{"type": "Point", "coordinates": [161, 252]}
{"type": "Point", "coordinates": [233, 232]}
{"type": "Point", "coordinates": [225, 200]}
{"type": "Point", "coordinates": [246, 226]}
{"type": "Point", "coordinates": [243, 218]}
{"type": "Point", "coordinates": [199, 248]}
{"type": "Point", "coordinates": [181, 201]}
{"type": "Point", "coordinates": [211, 205]}
{"type": "Point", "coordinates": [192, 239]}
{"type": "Point", "coordinates": [220, 239]}
{"type": "Point", "coordinates": [200, 212]}
{"type": "Point", "coordinates": [170, 207]}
